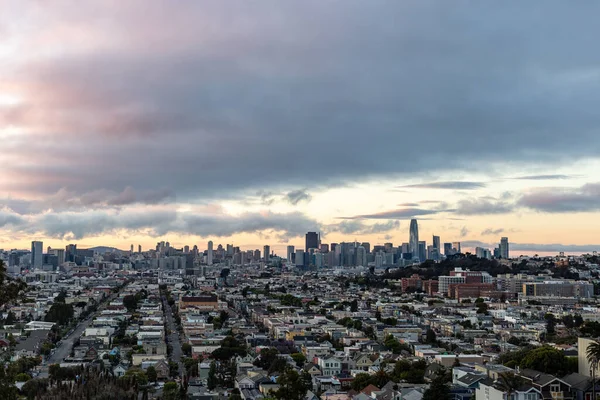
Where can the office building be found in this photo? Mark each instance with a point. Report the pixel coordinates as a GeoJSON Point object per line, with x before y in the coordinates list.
{"type": "Point", "coordinates": [436, 242]}
{"type": "Point", "coordinates": [290, 251]}
{"type": "Point", "coordinates": [210, 254]}
{"type": "Point", "coordinates": [448, 249]}
{"type": "Point", "coordinates": [504, 248]}
{"type": "Point", "coordinates": [405, 248]}
{"type": "Point", "coordinates": [367, 246]}
{"type": "Point", "coordinates": [37, 250]}
{"type": "Point", "coordinates": [312, 241]}
{"type": "Point", "coordinates": [300, 258]}
{"type": "Point", "coordinates": [361, 256]}
{"type": "Point", "coordinates": [324, 248]}
{"type": "Point", "coordinates": [267, 253]}
{"type": "Point", "coordinates": [60, 255]}
{"type": "Point", "coordinates": [456, 247]}
{"type": "Point", "coordinates": [422, 251]}
{"type": "Point", "coordinates": [70, 252]}
{"type": "Point", "coordinates": [414, 238]}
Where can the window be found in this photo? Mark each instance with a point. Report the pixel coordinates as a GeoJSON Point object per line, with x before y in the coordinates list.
{"type": "Point", "coordinates": [555, 387]}
{"type": "Point", "coordinates": [530, 396]}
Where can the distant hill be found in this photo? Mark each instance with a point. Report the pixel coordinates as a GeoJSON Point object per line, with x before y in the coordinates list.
{"type": "Point", "coordinates": [104, 249]}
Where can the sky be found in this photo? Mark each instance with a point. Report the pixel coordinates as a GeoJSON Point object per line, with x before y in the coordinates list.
{"type": "Point", "coordinates": [254, 122]}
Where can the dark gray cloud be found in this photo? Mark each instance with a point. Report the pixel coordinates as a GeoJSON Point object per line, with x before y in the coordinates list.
{"type": "Point", "coordinates": [72, 225]}
{"type": "Point", "coordinates": [225, 97]}
{"type": "Point", "coordinates": [562, 200]}
{"type": "Point", "coordinates": [296, 196]}
{"type": "Point", "coordinates": [454, 185]}
{"type": "Point", "coordinates": [404, 213]}
{"type": "Point", "coordinates": [357, 227]}
{"type": "Point", "coordinates": [490, 231]}
{"type": "Point", "coordinates": [484, 206]}
{"type": "Point", "coordinates": [543, 177]}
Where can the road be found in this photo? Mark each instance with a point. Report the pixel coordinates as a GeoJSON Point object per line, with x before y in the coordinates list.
{"type": "Point", "coordinates": [64, 349]}
{"type": "Point", "coordinates": [173, 338]}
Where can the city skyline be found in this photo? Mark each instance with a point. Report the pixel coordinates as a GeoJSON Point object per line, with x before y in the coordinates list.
{"type": "Point", "coordinates": [299, 120]}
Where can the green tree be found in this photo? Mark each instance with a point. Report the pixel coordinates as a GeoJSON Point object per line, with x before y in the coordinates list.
{"type": "Point", "coordinates": [509, 383]}
{"type": "Point", "coordinates": [130, 302]}
{"type": "Point", "coordinates": [299, 358]}
{"type": "Point", "coordinates": [291, 386]}
{"type": "Point", "coordinates": [546, 359]}
{"type": "Point", "coordinates": [211, 381]}
{"type": "Point", "coordinates": [550, 323]}
{"type": "Point", "coordinates": [592, 353]}
{"type": "Point", "coordinates": [60, 313]}
{"type": "Point", "coordinates": [171, 391]}
{"type": "Point", "coordinates": [361, 381]}
{"type": "Point", "coordinates": [10, 318]}
{"type": "Point", "coordinates": [152, 374]}
{"type": "Point", "coordinates": [430, 336]}
{"type": "Point", "coordinates": [186, 348]}
{"type": "Point", "coordinates": [354, 306]}
{"type": "Point", "coordinates": [22, 377]}
{"type": "Point", "coordinates": [438, 390]}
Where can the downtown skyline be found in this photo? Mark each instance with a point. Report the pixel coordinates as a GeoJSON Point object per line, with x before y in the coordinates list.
{"type": "Point", "coordinates": [302, 118]}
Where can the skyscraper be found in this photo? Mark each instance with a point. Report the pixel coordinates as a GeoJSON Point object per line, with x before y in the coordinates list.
{"type": "Point", "coordinates": [456, 247]}
{"type": "Point", "coordinates": [290, 251]}
{"type": "Point", "coordinates": [299, 258]}
{"type": "Point", "coordinates": [37, 254]}
{"type": "Point", "coordinates": [312, 241]}
{"type": "Point", "coordinates": [448, 249]}
{"type": "Point", "coordinates": [267, 252]}
{"type": "Point", "coordinates": [209, 258]}
{"type": "Point", "coordinates": [422, 250]}
{"type": "Point", "coordinates": [504, 247]}
{"type": "Point", "coordinates": [414, 238]}
{"type": "Point", "coordinates": [436, 242]}
{"type": "Point", "coordinates": [361, 256]}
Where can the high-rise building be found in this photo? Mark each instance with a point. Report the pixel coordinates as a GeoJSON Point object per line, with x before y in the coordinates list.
{"type": "Point", "coordinates": [267, 253]}
{"type": "Point", "coordinates": [139, 248]}
{"type": "Point", "coordinates": [367, 246]}
{"type": "Point", "coordinates": [504, 247]}
{"type": "Point", "coordinates": [361, 256]}
{"type": "Point", "coordinates": [422, 250]}
{"type": "Point", "coordinates": [70, 252]}
{"type": "Point", "coordinates": [448, 249]}
{"type": "Point", "coordinates": [290, 251]}
{"type": "Point", "coordinates": [436, 242]}
{"type": "Point", "coordinates": [299, 258]}
{"type": "Point", "coordinates": [456, 247]}
{"type": "Point", "coordinates": [60, 255]}
{"type": "Point", "coordinates": [414, 238]}
{"type": "Point", "coordinates": [37, 250]}
{"type": "Point", "coordinates": [324, 248]}
{"type": "Point", "coordinates": [312, 241]}
{"type": "Point", "coordinates": [405, 248]}
{"type": "Point", "coordinates": [209, 257]}
{"type": "Point", "coordinates": [388, 247]}
{"type": "Point", "coordinates": [186, 249]}
{"type": "Point", "coordinates": [131, 249]}
{"type": "Point", "coordinates": [229, 249]}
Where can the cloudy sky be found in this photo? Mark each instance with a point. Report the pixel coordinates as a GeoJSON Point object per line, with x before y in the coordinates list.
{"type": "Point", "coordinates": [254, 122]}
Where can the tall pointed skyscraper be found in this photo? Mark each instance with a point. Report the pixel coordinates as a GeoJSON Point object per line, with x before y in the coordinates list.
{"type": "Point", "coordinates": [414, 238]}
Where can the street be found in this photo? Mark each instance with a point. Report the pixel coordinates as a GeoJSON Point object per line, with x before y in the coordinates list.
{"type": "Point", "coordinates": [173, 338]}
{"type": "Point", "coordinates": [64, 349]}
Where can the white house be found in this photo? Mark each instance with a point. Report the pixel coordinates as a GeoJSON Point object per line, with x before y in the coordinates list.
{"type": "Point", "coordinates": [329, 366]}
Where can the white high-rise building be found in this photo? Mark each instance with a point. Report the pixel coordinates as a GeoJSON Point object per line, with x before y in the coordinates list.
{"type": "Point", "coordinates": [209, 259]}
{"type": "Point", "coordinates": [37, 254]}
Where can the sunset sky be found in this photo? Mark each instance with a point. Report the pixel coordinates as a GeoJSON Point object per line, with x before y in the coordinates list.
{"type": "Point", "coordinates": [253, 122]}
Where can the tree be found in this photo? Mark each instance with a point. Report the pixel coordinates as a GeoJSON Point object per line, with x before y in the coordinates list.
{"type": "Point", "coordinates": [291, 386]}
{"type": "Point", "coordinates": [186, 348]}
{"type": "Point", "coordinates": [509, 383]}
{"type": "Point", "coordinates": [593, 357]}
{"type": "Point", "coordinates": [354, 306]}
{"type": "Point", "coordinates": [438, 390]}
{"type": "Point", "coordinates": [130, 302]}
{"type": "Point", "coordinates": [60, 313]}
{"type": "Point", "coordinates": [10, 318]}
{"type": "Point", "coordinates": [361, 381]}
{"type": "Point", "coordinates": [550, 323]}
{"type": "Point", "coordinates": [430, 336]}
{"type": "Point", "coordinates": [299, 358]}
{"type": "Point", "coordinates": [152, 374]}
{"type": "Point", "coordinates": [211, 381]}
{"type": "Point", "coordinates": [171, 391]}
{"type": "Point", "coordinates": [548, 360]}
